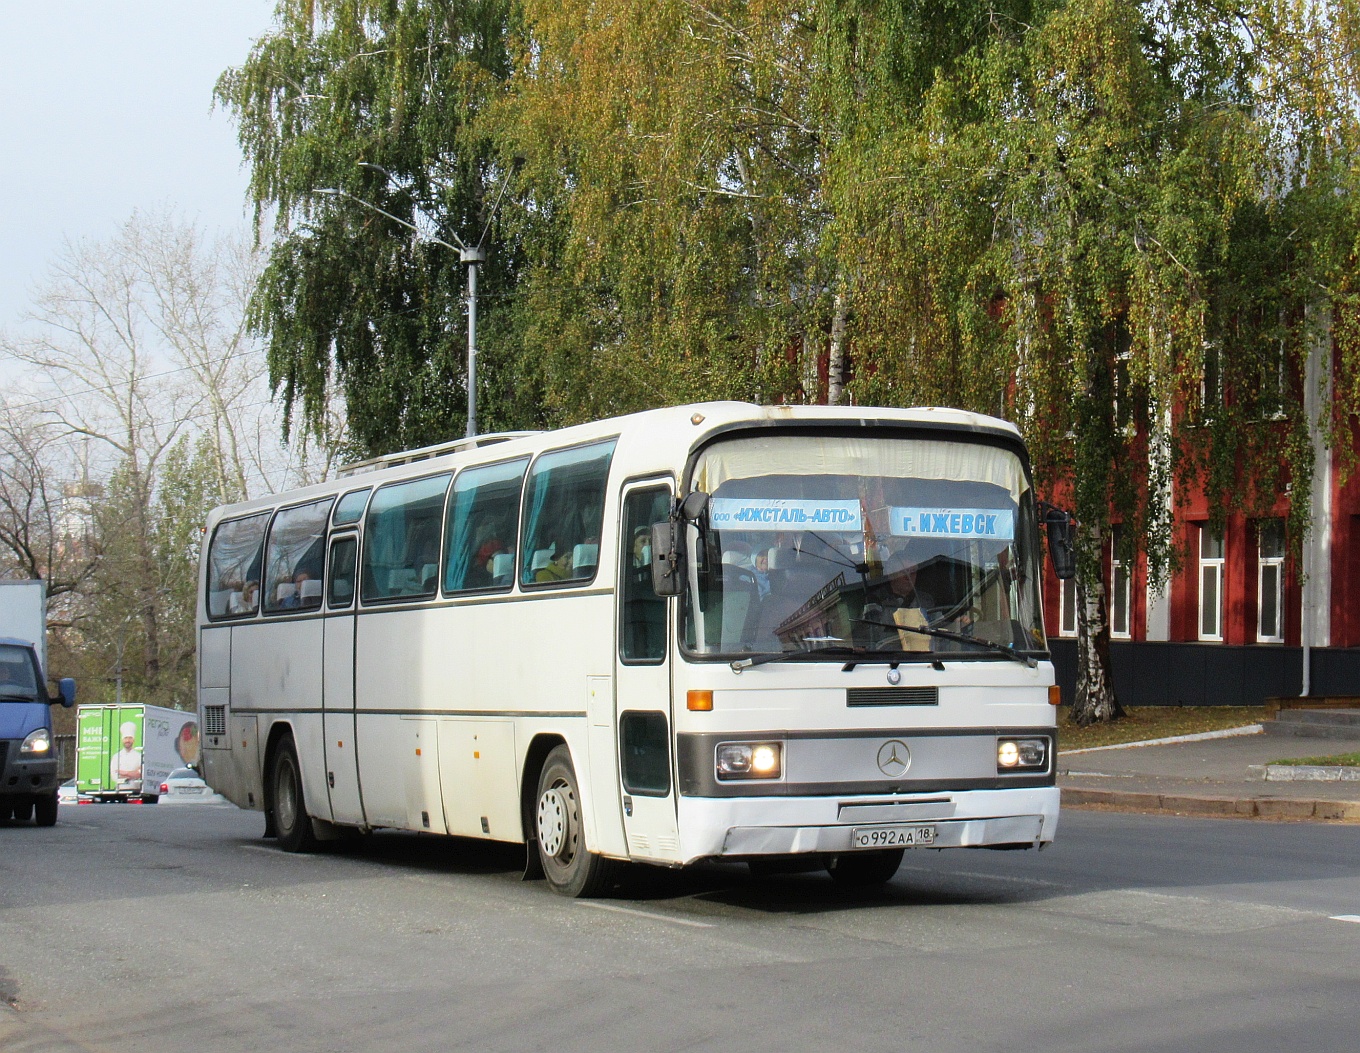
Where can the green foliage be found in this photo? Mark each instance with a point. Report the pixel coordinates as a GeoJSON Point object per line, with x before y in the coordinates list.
{"type": "Point", "coordinates": [139, 622]}
{"type": "Point", "coordinates": [349, 299]}
{"type": "Point", "coordinates": [1116, 224]}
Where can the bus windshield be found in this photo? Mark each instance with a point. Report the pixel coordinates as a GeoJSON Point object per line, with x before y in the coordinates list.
{"type": "Point", "coordinates": [834, 543]}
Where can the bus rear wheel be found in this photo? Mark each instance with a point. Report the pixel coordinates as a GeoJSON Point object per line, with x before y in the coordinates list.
{"type": "Point", "coordinates": [864, 870]}
{"type": "Point", "coordinates": [569, 866]}
{"type": "Point", "coordinates": [287, 805]}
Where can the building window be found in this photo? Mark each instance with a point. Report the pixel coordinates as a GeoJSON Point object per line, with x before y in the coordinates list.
{"type": "Point", "coordinates": [1270, 581]}
{"type": "Point", "coordinates": [1120, 592]}
{"type": "Point", "coordinates": [1067, 608]}
{"type": "Point", "coordinates": [1210, 583]}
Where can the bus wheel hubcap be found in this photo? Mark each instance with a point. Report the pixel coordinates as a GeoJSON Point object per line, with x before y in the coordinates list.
{"type": "Point", "coordinates": [553, 817]}
{"type": "Point", "coordinates": [287, 803]}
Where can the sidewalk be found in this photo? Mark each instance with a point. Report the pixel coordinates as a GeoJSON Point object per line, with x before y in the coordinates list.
{"type": "Point", "coordinates": [1216, 777]}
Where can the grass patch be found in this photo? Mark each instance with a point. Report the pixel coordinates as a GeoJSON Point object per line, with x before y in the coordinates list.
{"type": "Point", "coordinates": [1155, 722]}
{"type": "Point", "coordinates": [1340, 760]}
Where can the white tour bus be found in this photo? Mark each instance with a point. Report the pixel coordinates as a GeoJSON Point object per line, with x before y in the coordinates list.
{"type": "Point", "coordinates": [714, 631]}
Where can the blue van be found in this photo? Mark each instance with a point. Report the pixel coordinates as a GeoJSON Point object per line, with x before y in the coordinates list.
{"type": "Point", "coordinates": [28, 760]}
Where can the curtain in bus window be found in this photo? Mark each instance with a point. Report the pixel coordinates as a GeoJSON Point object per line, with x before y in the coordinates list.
{"type": "Point", "coordinates": [401, 539]}
{"type": "Point", "coordinates": [816, 455]}
{"type": "Point", "coordinates": [565, 513]}
{"type": "Point", "coordinates": [483, 523]}
{"type": "Point", "coordinates": [295, 557]}
{"type": "Point", "coordinates": [234, 566]}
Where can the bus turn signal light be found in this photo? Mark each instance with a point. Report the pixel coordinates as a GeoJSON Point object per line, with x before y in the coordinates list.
{"type": "Point", "coordinates": [699, 701]}
{"type": "Point", "coordinates": [1055, 695]}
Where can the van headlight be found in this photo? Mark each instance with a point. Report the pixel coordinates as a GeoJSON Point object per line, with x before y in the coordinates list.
{"type": "Point", "coordinates": [749, 760]}
{"type": "Point", "coordinates": [1016, 754]}
{"type": "Point", "coordinates": [36, 742]}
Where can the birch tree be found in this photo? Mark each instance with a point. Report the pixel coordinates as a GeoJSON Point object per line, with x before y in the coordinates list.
{"type": "Point", "coordinates": [144, 407]}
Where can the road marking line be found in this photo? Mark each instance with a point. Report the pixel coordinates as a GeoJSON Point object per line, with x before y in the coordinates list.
{"type": "Point", "coordinates": [1346, 917]}
{"type": "Point", "coordinates": [649, 915]}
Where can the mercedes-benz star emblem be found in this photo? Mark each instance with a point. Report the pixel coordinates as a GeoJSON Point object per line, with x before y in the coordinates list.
{"type": "Point", "coordinates": [894, 676]}
{"type": "Point", "coordinates": [894, 758]}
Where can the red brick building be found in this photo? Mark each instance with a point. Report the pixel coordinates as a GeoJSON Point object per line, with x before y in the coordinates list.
{"type": "Point", "coordinates": [1234, 621]}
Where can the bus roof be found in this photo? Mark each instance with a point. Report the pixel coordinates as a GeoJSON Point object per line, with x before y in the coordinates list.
{"type": "Point", "coordinates": [672, 431]}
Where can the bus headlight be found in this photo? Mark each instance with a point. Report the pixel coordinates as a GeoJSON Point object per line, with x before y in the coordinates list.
{"type": "Point", "coordinates": [38, 741]}
{"type": "Point", "coordinates": [749, 760]}
{"type": "Point", "coordinates": [1021, 754]}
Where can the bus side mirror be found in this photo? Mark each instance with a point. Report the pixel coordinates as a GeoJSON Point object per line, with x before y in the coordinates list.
{"type": "Point", "coordinates": [66, 692]}
{"type": "Point", "coordinates": [666, 579]}
{"type": "Point", "coordinates": [693, 507]}
{"type": "Point", "coordinates": [1060, 550]}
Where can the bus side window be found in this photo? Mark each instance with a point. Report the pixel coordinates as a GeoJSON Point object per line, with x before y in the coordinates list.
{"type": "Point", "coordinates": [295, 557]}
{"type": "Point", "coordinates": [401, 539]}
{"type": "Point", "coordinates": [482, 525]}
{"type": "Point", "coordinates": [234, 567]}
{"type": "Point", "coordinates": [564, 513]}
{"type": "Point", "coordinates": [642, 613]}
{"type": "Point", "coordinates": [343, 557]}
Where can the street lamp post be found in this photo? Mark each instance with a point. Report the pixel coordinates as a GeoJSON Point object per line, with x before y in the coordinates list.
{"type": "Point", "coordinates": [473, 257]}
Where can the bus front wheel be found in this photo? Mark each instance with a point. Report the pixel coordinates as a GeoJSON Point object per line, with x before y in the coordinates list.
{"type": "Point", "coordinates": [288, 806]}
{"type": "Point", "coordinates": [865, 870]}
{"type": "Point", "coordinates": [569, 866]}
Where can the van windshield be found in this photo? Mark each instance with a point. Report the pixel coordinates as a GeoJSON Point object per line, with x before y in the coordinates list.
{"type": "Point", "coordinates": [17, 679]}
{"type": "Point", "coordinates": [827, 543]}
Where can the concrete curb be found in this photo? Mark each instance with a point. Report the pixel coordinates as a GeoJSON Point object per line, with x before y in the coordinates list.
{"type": "Point", "coordinates": [1311, 773]}
{"type": "Point", "coordinates": [1222, 807]}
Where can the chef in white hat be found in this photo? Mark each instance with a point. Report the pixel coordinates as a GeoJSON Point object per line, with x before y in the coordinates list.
{"type": "Point", "coordinates": [126, 766]}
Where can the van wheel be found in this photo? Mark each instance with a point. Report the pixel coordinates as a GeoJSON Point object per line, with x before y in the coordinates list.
{"type": "Point", "coordinates": [865, 870]}
{"type": "Point", "coordinates": [46, 809]}
{"type": "Point", "coordinates": [287, 804]}
{"type": "Point", "coordinates": [23, 811]}
{"type": "Point", "coordinates": [569, 866]}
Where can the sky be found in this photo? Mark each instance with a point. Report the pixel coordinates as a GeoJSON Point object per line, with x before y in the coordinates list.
{"type": "Point", "coordinates": [106, 108]}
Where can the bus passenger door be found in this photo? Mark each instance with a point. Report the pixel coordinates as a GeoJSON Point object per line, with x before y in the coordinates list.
{"type": "Point", "coordinates": [337, 696]}
{"type": "Point", "coordinates": [642, 696]}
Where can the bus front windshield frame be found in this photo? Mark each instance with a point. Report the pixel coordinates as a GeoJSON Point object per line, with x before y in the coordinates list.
{"type": "Point", "coordinates": [831, 544]}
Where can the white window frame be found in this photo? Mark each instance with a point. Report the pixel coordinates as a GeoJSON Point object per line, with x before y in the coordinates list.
{"type": "Point", "coordinates": [1118, 571]}
{"type": "Point", "coordinates": [1210, 566]}
{"type": "Point", "coordinates": [1273, 562]}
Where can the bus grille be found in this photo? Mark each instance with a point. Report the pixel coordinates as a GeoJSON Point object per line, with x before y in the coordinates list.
{"type": "Point", "coordinates": [214, 720]}
{"type": "Point", "coordinates": [892, 696]}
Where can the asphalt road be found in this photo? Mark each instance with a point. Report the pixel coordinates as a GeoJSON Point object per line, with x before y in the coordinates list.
{"type": "Point", "coordinates": [133, 929]}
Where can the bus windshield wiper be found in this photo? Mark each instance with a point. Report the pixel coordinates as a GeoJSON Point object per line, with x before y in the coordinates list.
{"type": "Point", "coordinates": [945, 634]}
{"type": "Point", "coordinates": [836, 650]}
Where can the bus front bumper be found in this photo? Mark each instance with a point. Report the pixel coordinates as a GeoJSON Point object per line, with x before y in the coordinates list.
{"type": "Point", "coordinates": [744, 827]}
